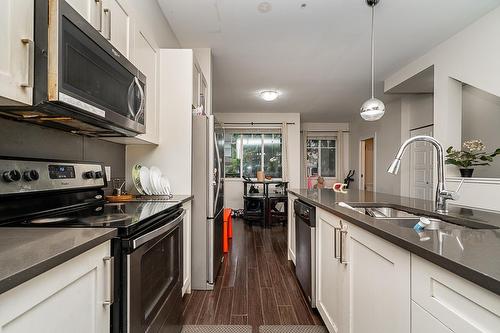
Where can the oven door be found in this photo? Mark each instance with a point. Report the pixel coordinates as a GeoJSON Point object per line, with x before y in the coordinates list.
{"type": "Point", "coordinates": [154, 288]}
{"type": "Point", "coordinates": [89, 75]}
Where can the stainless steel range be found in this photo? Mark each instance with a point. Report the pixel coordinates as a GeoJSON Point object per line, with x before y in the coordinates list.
{"type": "Point", "coordinates": [147, 253]}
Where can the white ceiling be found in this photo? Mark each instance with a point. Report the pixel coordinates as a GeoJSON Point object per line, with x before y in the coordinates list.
{"type": "Point", "coordinates": [317, 56]}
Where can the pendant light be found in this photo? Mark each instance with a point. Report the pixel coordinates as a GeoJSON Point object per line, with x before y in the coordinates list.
{"type": "Point", "coordinates": [373, 109]}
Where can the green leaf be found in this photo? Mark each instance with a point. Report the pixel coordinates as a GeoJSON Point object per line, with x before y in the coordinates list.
{"type": "Point", "coordinates": [474, 164]}
{"type": "Point", "coordinates": [495, 153]}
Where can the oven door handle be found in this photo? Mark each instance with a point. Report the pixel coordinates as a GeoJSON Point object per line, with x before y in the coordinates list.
{"type": "Point", "coordinates": [157, 232]}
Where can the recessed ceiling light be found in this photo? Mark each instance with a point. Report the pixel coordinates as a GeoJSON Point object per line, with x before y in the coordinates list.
{"type": "Point", "coordinates": [264, 7]}
{"type": "Point", "coordinates": [269, 95]}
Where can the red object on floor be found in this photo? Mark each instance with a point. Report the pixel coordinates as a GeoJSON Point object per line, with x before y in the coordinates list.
{"type": "Point", "coordinates": [227, 229]}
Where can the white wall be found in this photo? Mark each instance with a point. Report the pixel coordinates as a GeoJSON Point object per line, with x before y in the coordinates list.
{"type": "Point", "coordinates": [387, 134]}
{"type": "Point", "coordinates": [150, 17]}
{"type": "Point", "coordinates": [330, 128]}
{"type": "Point", "coordinates": [173, 154]}
{"type": "Point", "coordinates": [471, 57]}
{"type": "Point", "coordinates": [233, 189]}
{"type": "Point", "coordinates": [481, 120]}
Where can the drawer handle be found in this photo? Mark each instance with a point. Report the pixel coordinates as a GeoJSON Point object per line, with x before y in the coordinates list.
{"type": "Point", "coordinates": [110, 294]}
{"type": "Point", "coordinates": [341, 259]}
{"type": "Point", "coordinates": [335, 255]}
{"type": "Point", "coordinates": [107, 11]}
{"type": "Point", "coordinates": [28, 83]}
{"type": "Point", "coordinates": [99, 3]}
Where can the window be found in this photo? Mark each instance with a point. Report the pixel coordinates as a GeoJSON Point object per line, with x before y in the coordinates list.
{"type": "Point", "coordinates": [247, 153]}
{"type": "Point", "coordinates": [321, 157]}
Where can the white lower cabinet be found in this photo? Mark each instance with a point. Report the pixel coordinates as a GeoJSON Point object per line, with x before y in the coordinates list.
{"type": "Point", "coordinates": [68, 298]}
{"type": "Point", "coordinates": [291, 228]}
{"type": "Point", "coordinates": [457, 303]}
{"type": "Point", "coordinates": [366, 284]}
{"type": "Point", "coordinates": [186, 245]}
{"type": "Point", "coordinates": [379, 279]}
{"type": "Point", "coordinates": [423, 322]}
{"type": "Point", "coordinates": [332, 274]}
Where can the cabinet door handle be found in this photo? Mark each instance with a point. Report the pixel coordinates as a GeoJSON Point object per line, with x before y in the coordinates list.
{"type": "Point", "coordinates": [341, 259]}
{"type": "Point", "coordinates": [99, 3]}
{"type": "Point", "coordinates": [335, 229]}
{"type": "Point", "coordinates": [110, 294]}
{"type": "Point", "coordinates": [107, 11]}
{"type": "Point", "coordinates": [28, 83]}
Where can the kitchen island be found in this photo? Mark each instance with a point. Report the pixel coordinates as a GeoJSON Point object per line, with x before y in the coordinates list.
{"type": "Point", "coordinates": [381, 273]}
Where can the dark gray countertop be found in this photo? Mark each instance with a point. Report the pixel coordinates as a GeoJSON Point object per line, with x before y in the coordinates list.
{"type": "Point", "coordinates": [183, 198]}
{"type": "Point", "coordinates": [28, 252]}
{"type": "Point", "coordinates": [473, 254]}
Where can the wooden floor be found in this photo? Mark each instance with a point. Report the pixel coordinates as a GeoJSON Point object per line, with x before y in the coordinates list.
{"type": "Point", "coordinates": [256, 285]}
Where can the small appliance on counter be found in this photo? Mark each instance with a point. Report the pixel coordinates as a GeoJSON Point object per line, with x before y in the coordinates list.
{"type": "Point", "coordinates": [37, 193]}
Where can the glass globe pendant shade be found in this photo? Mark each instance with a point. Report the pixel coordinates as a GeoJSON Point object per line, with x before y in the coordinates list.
{"type": "Point", "coordinates": [373, 109]}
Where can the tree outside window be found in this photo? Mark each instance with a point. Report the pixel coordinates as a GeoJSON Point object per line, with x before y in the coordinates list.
{"type": "Point", "coordinates": [247, 153]}
{"type": "Point", "coordinates": [321, 158]}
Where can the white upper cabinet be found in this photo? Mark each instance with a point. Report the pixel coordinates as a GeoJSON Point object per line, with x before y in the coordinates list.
{"type": "Point", "coordinates": [16, 52]}
{"type": "Point", "coordinates": [110, 17]}
{"type": "Point", "coordinates": [146, 59]}
{"type": "Point", "coordinates": [116, 24]}
{"type": "Point", "coordinates": [91, 10]}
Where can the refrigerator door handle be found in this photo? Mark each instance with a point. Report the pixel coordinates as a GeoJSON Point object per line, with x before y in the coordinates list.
{"type": "Point", "coordinates": [217, 173]}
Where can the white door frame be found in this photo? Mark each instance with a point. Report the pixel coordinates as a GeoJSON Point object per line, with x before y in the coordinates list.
{"type": "Point", "coordinates": [361, 164]}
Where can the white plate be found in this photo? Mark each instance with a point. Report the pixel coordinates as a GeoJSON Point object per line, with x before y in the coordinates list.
{"type": "Point", "coordinates": [145, 180]}
{"type": "Point", "coordinates": [155, 176]}
{"type": "Point", "coordinates": [167, 186]}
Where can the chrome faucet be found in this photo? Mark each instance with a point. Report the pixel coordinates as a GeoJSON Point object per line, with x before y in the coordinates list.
{"type": "Point", "coordinates": [442, 194]}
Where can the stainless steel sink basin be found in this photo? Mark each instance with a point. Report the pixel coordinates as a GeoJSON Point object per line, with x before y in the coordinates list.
{"type": "Point", "coordinates": [404, 219]}
{"type": "Point", "coordinates": [434, 225]}
{"type": "Point", "coordinates": [386, 213]}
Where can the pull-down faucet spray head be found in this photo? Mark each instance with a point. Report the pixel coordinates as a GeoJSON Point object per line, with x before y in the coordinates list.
{"type": "Point", "coordinates": [394, 167]}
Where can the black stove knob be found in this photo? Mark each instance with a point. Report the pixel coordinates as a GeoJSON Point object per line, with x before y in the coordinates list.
{"type": "Point", "coordinates": [98, 174]}
{"type": "Point", "coordinates": [11, 176]}
{"type": "Point", "coordinates": [30, 175]}
{"type": "Point", "coordinates": [89, 175]}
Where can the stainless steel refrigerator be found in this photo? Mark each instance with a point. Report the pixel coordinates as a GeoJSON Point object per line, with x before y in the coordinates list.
{"type": "Point", "coordinates": [208, 203]}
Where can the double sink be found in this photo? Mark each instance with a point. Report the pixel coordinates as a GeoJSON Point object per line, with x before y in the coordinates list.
{"type": "Point", "coordinates": [406, 219]}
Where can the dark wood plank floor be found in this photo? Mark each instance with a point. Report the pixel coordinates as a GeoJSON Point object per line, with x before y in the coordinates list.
{"type": "Point", "coordinates": [255, 286]}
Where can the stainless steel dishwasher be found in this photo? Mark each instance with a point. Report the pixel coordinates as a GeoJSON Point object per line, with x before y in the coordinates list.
{"type": "Point", "coordinates": [305, 251]}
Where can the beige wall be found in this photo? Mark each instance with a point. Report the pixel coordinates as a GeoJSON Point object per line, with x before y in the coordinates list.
{"type": "Point", "coordinates": [481, 120]}
{"type": "Point", "coordinates": [387, 134]}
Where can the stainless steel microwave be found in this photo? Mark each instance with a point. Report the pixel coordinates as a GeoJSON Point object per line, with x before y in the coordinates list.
{"type": "Point", "coordinates": [81, 83]}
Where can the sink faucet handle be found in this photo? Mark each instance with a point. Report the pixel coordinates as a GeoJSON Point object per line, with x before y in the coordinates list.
{"type": "Point", "coordinates": [451, 195]}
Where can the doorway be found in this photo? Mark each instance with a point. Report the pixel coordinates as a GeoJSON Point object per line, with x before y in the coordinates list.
{"type": "Point", "coordinates": [367, 164]}
{"type": "Point", "coordinates": [421, 166]}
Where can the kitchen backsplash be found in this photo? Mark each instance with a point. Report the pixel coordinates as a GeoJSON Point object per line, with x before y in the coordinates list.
{"type": "Point", "coordinates": [26, 140]}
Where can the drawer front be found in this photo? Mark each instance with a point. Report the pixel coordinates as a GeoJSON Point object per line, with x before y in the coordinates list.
{"type": "Point", "coordinates": [459, 304]}
{"type": "Point", "coordinates": [423, 322]}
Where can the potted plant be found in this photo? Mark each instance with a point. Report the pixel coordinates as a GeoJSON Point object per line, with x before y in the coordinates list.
{"type": "Point", "coordinates": [473, 154]}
